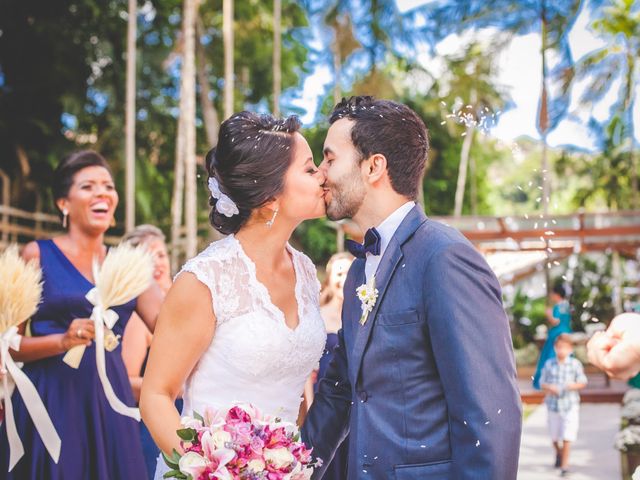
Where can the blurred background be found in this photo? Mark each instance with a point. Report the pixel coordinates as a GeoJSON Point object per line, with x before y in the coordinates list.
{"type": "Point", "coordinates": [530, 106]}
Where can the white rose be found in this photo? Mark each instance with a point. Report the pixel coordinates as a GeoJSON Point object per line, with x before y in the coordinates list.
{"type": "Point", "coordinates": [256, 465]}
{"type": "Point", "coordinates": [278, 457]}
{"type": "Point", "coordinates": [192, 464]}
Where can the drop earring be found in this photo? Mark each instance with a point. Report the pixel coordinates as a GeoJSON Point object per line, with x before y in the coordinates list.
{"type": "Point", "coordinates": [273, 219]}
{"type": "Point", "coordinates": [65, 215]}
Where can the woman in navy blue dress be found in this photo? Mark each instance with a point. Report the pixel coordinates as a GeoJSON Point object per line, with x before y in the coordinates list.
{"type": "Point", "coordinates": [97, 442]}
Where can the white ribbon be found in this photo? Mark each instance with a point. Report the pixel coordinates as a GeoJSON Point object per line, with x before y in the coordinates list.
{"type": "Point", "coordinates": [101, 317]}
{"type": "Point", "coordinates": [41, 420]}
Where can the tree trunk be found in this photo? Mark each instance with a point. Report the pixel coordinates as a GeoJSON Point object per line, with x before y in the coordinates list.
{"type": "Point", "coordinates": [277, 63]}
{"type": "Point", "coordinates": [178, 198]}
{"type": "Point", "coordinates": [543, 119]}
{"type": "Point", "coordinates": [616, 273]}
{"type": "Point", "coordinates": [462, 170]}
{"type": "Point", "coordinates": [209, 112]}
{"type": "Point", "coordinates": [188, 109]}
{"type": "Point", "coordinates": [628, 105]}
{"type": "Point", "coordinates": [130, 120]}
{"type": "Point", "coordinates": [337, 71]}
{"type": "Point", "coordinates": [474, 185]}
{"type": "Point", "coordinates": [227, 36]}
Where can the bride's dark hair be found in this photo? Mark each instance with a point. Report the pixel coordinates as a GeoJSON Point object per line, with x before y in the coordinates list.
{"type": "Point", "coordinates": [250, 162]}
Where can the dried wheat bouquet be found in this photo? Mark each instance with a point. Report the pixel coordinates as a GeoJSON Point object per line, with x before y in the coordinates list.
{"type": "Point", "coordinates": [20, 293]}
{"type": "Point", "coordinates": [125, 273]}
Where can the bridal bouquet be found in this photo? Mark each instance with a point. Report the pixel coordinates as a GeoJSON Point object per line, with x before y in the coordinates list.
{"type": "Point", "coordinates": [239, 444]}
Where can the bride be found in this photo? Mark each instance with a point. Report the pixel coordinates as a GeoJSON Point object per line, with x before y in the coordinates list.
{"type": "Point", "coordinates": [242, 323]}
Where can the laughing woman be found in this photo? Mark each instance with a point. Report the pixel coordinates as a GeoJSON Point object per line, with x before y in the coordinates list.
{"type": "Point", "coordinates": [97, 442]}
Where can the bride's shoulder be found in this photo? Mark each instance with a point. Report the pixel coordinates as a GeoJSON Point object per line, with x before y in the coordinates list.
{"type": "Point", "coordinates": [213, 257]}
{"type": "Point", "coordinates": [220, 250]}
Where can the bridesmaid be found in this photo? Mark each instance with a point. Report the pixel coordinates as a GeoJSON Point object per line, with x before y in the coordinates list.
{"type": "Point", "coordinates": [97, 442]}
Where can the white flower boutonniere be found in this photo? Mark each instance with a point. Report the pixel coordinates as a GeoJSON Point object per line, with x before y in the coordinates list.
{"type": "Point", "coordinates": [368, 294]}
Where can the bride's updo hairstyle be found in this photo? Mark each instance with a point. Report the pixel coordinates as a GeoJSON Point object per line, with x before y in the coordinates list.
{"type": "Point", "coordinates": [249, 164]}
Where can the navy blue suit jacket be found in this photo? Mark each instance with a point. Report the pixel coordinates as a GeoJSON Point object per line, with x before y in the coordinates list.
{"type": "Point", "coordinates": [426, 388]}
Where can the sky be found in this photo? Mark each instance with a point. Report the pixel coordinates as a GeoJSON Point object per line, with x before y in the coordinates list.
{"type": "Point", "coordinates": [519, 68]}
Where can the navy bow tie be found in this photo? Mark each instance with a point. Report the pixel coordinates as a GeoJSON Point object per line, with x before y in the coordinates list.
{"type": "Point", "coordinates": [371, 244]}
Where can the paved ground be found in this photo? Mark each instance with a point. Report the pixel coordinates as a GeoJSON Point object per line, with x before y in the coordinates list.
{"type": "Point", "coordinates": [592, 457]}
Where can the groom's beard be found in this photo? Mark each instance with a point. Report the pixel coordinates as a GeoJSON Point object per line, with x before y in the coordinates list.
{"type": "Point", "coordinates": [347, 196]}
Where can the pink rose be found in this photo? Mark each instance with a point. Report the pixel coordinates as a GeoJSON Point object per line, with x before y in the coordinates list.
{"type": "Point", "coordinates": [238, 415]}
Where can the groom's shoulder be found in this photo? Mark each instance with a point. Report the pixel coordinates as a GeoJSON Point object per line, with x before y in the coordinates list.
{"type": "Point", "coordinates": [434, 236]}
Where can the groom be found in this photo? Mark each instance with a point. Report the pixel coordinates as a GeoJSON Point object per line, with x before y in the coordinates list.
{"type": "Point", "coordinates": [424, 384]}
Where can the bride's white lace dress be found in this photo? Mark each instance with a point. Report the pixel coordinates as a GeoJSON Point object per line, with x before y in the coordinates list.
{"type": "Point", "coordinates": [254, 356]}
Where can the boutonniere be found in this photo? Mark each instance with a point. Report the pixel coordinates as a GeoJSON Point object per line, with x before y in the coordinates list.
{"type": "Point", "coordinates": [368, 294]}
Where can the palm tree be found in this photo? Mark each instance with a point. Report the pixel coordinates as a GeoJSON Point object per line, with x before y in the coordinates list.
{"type": "Point", "coordinates": [209, 112]}
{"type": "Point", "coordinates": [277, 50]}
{"type": "Point", "coordinates": [130, 119]}
{"type": "Point", "coordinates": [185, 166]}
{"type": "Point", "coordinates": [619, 25]}
{"type": "Point", "coordinates": [551, 19]}
{"type": "Point", "coordinates": [343, 44]}
{"type": "Point", "coordinates": [227, 34]}
{"type": "Point", "coordinates": [469, 81]}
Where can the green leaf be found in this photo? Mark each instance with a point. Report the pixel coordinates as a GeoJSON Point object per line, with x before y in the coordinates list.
{"type": "Point", "coordinates": [187, 434]}
{"type": "Point", "coordinates": [197, 416]}
{"type": "Point", "coordinates": [176, 474]}
{"type": "Point", "coordinates": [170, 461]}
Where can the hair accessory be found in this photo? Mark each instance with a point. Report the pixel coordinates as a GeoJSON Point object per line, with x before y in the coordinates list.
{"type": "Point", "coordinates": [224, 205]}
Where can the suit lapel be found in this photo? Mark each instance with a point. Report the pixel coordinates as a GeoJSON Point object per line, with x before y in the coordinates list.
{"type": "Point", "coordinates": [388, 264]}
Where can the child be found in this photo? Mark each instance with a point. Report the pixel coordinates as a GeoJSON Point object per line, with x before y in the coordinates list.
{"type": "Point", "coordinates": [561, 379]}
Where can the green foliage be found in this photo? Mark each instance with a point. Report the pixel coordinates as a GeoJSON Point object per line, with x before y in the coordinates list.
{"type": "Point", "coordinates": [317, 239]}
{"type": "Point", "coordinates": [526, 314]}
{"type": "Point", "coordinates": [591, 290]}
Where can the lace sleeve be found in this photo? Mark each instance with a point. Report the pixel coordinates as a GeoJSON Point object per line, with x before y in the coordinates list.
{"type": "Point", "coordinates": [222, 270]}
{"type": "Point", "coordinates": [205, 271]}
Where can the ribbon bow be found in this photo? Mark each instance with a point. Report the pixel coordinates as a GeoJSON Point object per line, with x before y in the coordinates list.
{"type": "Point", "coordinates": [102, 316]}
{"type": "Point", "coordinates": [371, 244]}
{"type": "Point", "coordinates": [10, 371]}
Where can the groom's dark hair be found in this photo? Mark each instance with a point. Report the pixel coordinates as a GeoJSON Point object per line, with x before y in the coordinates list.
{"type": "Point", "coordinates": [393, 130]}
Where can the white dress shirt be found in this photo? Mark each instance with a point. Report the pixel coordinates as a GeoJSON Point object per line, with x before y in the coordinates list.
{"type": "Point", "coordinates": [386, 230]}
